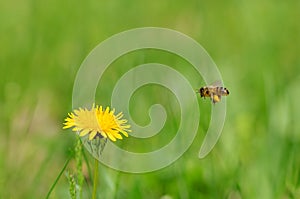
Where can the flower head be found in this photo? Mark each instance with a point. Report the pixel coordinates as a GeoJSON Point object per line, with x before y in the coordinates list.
{"type": "Point", "coordinates": [98, 122]}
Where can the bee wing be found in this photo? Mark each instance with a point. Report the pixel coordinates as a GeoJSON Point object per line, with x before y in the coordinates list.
{"type": "Point", "coordinates": [217, 83]}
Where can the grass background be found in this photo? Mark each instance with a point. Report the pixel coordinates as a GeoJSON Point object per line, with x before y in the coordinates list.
{"type": "Point", "coordinates": [255, 44]}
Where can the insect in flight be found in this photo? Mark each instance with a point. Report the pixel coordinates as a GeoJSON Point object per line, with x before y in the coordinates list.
{"type": "Point", "coordinates": [214, 92]}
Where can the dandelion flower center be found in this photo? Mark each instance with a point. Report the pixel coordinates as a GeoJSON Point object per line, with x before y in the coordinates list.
{"type": "Point", "coordinates": [97, 122]}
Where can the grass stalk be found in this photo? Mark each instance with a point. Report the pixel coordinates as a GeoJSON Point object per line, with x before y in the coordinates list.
{"type": "Point", "coordinates": [57, 178]}
{"type": "Point", "coordinates": [95, 179]}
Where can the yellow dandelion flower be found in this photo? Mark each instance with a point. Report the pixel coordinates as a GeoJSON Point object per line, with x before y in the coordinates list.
{"type": "Point", "coordinates": [97, 122]}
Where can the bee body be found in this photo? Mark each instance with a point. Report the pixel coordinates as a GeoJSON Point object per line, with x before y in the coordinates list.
{"type": "Point", "coordinates": [213, 92]}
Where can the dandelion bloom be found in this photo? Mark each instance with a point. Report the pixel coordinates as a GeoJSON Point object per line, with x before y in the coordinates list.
{"type": "Point", "coordinates": [97, 122]}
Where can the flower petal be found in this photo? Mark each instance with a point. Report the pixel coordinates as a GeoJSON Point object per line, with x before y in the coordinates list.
{"type": "Point", "coordinates": [92, 135]}
{"type": "Point", "coordinates": [84, 132]}
{"type": "Point", "coordinates": [111, 137]}
{"type": "Point", "coordinates": [97, 120]}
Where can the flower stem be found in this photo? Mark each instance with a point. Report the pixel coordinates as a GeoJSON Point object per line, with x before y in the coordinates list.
{"type": "Point", "coordinates": [95, 179]}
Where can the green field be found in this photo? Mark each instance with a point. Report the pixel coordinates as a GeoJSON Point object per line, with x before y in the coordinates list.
{"type": "Point", "coordinates": [256, 46]}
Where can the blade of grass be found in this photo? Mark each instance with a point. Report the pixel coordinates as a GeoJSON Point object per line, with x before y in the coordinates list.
{"type": "Point", "coordinates": [95, 179]}
{"type": "Point", "coordinates": [59, 175]}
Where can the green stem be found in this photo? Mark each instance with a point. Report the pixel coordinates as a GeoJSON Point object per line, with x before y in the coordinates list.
{"type": "Point", "coordinates": [95, 179]}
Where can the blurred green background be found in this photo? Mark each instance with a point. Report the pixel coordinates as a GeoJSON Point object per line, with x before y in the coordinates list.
{"type": "Point", "coordinates": [255, 44]}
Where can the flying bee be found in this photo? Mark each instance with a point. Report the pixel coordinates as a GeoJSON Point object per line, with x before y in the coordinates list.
{"type": "Point", "coordinates": [214, 92]}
